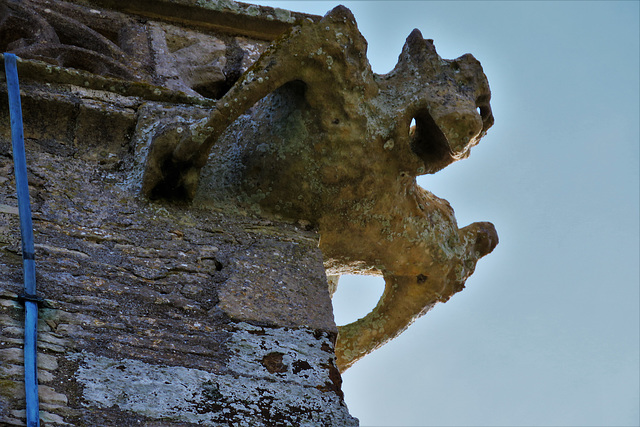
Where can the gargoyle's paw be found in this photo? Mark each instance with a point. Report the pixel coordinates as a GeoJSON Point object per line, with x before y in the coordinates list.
{"type": "Point", "coordinates": [481, 238]}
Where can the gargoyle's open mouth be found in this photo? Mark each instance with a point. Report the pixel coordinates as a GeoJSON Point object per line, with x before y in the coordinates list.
{"type": "Point", "coordinates": [429, 143]}
{"type": "Point", "coordinates": [437, 149]}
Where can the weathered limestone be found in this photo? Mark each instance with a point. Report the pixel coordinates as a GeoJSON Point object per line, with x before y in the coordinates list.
{"type": "Point", "coordinates": [194, 183]}
{"type": "Point", "coordinates": [112, 44]}
{"type": "Point", "coordinates": [326, 141]}
{"type": "Point", "coordinates": [156, 313]}
{"type": "Point", "coordinates": [135, 304]}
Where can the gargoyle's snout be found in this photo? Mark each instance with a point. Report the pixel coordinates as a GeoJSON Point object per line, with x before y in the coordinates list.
{"type": "Point", "coordinates": [463, 129]}
{"type": "Point", "coordinates": [467, 119]}
{"type": "Point", "coordinates": [442, 135]}
{"type": "Point", "coordinates": [469, 73]}
{"type": "Point", "coordinates": [444, 131]}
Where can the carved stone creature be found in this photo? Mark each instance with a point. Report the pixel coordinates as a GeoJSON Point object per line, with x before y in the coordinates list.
{"type": "Point", "coordinates": [329, 142]}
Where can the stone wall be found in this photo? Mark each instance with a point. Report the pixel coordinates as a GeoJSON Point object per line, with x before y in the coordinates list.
{"type": "Point", "coordinates": [155, 313]}
{"type": "Point", "coordinates": [196, 169]}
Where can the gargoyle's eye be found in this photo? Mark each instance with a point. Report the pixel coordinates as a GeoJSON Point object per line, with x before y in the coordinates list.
{"type": "Point", "coordinates": [428, 142]}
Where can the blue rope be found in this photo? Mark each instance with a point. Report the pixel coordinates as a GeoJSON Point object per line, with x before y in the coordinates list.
{"type": "Point", "coordinates": [26, 232]}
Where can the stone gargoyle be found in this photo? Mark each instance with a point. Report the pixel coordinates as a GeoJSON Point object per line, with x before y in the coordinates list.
{"type": "Point", "coordinates": [309, 132]}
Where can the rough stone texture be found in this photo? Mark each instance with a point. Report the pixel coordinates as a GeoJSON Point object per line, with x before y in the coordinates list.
{"type": "Point", "coordinates": [141, 287]}
{"type": "Point", "coordinates": [273, 392]}
{"type": "Point", "coordinates": [192, 184]}
{"type": "Point", "coordinates": [310, 133]}
{"type": "Point", "coordinates": [156, 313]}
{"type": "Point", "coordinates": [128, 46]}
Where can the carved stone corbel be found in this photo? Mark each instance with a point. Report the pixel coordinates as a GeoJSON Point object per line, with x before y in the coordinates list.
{"type": "Point", "coordinates": [314, 135]}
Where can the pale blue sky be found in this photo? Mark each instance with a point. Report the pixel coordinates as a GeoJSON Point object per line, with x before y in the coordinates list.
{"type": "Point", "coordinates": [547, 331]}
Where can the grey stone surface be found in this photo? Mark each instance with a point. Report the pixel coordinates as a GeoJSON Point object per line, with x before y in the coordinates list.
{"type": "Point", "coordinates": [201, 315]}
{"type": "Point", "coordinates": [272, 370]}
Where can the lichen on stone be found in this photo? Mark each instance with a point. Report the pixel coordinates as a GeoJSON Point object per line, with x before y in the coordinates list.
{"type": "Point", "coordinates": [249, 393]}
{"type": "Point", "coordinates": [310, 133]}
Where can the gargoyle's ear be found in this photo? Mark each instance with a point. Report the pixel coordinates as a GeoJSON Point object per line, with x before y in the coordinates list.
{"type": "Point", "coordinates": [418, 51]}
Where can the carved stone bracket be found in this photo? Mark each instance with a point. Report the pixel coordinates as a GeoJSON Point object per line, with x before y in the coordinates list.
{"type": "Point", "coordinates": [309, 132]}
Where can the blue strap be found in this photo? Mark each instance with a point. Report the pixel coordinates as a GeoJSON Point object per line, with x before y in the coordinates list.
{"type": "Point", "coordinates": [26, 232]}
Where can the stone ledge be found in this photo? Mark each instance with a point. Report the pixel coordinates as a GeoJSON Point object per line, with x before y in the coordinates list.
{"type": "Point", "coordinates": [262, 22]}
{"type": "Point", "coordinates": [31, 70]}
